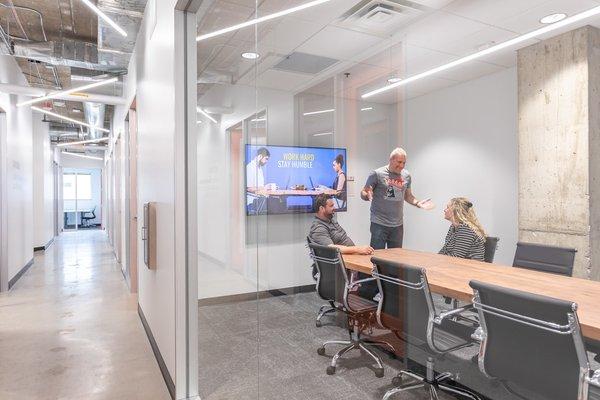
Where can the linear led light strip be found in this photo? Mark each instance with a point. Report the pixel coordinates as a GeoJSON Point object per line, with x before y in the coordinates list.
{"type": "Point", "coordinates": [104, 17]}
{"type": "Point", "coordinates": [201, 111]}
{"type": "Point", "coordinates": [261, 19]}
{"type": "Point", "coordinates": [323, 134]}
{"type": "Point", "coordinates": [54, 95]}
{"type": "Point", "coordinates": [68, 119]}
{"type": "Point", "coordinates": [81, 155]}
{"type": "Point", "coordinates": [567, 21]}
{"type": "Point", "coordinates": [320, 112]}
{"type": "Point", "coordinates": [82, 142]}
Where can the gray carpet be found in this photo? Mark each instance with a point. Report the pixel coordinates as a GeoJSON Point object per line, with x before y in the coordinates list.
{"type": "Point", "coordinates": [267, 349]}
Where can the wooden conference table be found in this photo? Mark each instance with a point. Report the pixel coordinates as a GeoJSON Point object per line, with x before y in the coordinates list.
{"type": "Point", "coordinates": [450, 276]}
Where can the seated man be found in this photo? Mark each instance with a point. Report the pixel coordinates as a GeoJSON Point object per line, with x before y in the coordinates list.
{"type": "Point", "coordinates": [327, 232]}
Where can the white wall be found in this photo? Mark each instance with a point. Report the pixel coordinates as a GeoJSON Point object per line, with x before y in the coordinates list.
{"type": "Point", "coordinates": [152, 78]}
{"type": "Point", "coordinates": [43, 183]}
{"type": "Point", "coordinates": [19, 170]}
{"type": "Point", "coordinates": [462, 141]}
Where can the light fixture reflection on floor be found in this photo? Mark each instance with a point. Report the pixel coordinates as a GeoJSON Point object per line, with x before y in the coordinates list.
{"type": "Point", "coordinates": [261, 19]}
{"type": "Point", "coordinates": [493, 49]}
{"type": "Point", "coordinates": [553, 18]}
{"type": "Point", "coordinates": [250, 55]}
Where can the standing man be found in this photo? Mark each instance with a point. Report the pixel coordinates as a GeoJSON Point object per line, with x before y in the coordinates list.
{"type": "Point", "coordinates": [387, 189]}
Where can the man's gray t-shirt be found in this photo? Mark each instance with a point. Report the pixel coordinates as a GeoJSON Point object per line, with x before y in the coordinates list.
{"type": "Point", "coordinates": [387, 206]}
{"type": "Point", "coordinates": [326, 233]}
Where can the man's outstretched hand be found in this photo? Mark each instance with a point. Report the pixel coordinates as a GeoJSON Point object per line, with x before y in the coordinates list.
{"type": "Point", "coordinates": [426, 204]}
{"type": "Point", "coordinates": [365, 250]}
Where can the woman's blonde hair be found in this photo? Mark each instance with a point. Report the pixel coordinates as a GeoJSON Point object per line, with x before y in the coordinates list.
{"type": "Point", "coordinates": [463, 212]}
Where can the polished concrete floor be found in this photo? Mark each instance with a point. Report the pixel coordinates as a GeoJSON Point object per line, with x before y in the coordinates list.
{"type": "Point", "coordinates": [69, 329]}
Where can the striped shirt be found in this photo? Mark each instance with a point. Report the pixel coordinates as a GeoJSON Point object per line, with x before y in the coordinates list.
{"type": "Point", "coordinates": [462, 241]}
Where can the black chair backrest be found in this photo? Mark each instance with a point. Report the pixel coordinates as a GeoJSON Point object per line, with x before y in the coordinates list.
{"type": "Point", "coordinates": [406, 306]}
{"type": "Point", "coordinates": [539, 257]}
{"type": "Point", "coordinates": [530, 341]}
{"type": "Point", "coordinates": [491, 244]}
{"type": "Point", "coordinates": [333, 278]}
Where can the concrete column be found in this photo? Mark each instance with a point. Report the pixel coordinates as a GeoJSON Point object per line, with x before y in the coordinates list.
{"type": "Point", "coordinates": [559, 145]}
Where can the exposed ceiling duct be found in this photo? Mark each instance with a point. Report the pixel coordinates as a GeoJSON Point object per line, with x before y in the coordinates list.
{"type": "Point", "coordinates": [70, 53]}
{"type": "Point", "coordinates": [94, 115]}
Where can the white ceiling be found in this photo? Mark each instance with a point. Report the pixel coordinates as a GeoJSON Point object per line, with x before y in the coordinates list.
{"type": "Point", "coordinates": [440, 32]}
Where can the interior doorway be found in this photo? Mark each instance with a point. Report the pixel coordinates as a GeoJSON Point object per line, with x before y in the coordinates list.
{"type": "Point", "coordinates": [131, 231]}
{"type": "Point", "coordinates": [3, 205]}
{"type": "Point", "coordinates": [82, 198]}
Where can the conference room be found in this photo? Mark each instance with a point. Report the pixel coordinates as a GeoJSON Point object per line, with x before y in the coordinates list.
{"type": "Point", "coordinates": [493, 101]}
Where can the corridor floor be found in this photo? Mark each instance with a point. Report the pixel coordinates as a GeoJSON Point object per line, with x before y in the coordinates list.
{"type": "Point", "coordinates": [69, 329]}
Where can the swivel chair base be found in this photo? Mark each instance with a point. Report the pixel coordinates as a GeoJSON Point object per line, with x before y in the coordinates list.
{"type": "Point", "coordinates": [354, 344]}
{"type": "Point", "coordinates": [431, 383]}
{"type": "Point", "coordinates": [324, 310]}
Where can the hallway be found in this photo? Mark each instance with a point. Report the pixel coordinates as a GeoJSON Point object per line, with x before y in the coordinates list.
{"type": "Point", "coordinates": [69, 329]}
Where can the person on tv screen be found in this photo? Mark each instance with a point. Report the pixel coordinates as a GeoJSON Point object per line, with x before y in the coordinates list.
{"type": "Point", "coordinates": [466, 237]}
{"type": "Point", "coordinates": [255, 179]}
{"type": "Point", "coordinates": [387, 188]}
{"type": "Point", "coordinates": [339, 184]}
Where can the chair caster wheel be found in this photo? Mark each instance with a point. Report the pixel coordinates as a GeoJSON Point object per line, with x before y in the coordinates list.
{"type": "Point", "coordinates": [397, 380]}
{"type": "Point", "coordinates": [318, 324]}
{"type": "Point", "coordinates": [330, 370]}
{"type": "Point", "coordinates": [379, 372]}
{"type": "Point", "coordinates": [321, 351]}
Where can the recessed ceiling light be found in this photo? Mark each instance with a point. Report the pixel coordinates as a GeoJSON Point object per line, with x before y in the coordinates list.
{"type": "Point", "coordinates": [250, 55]}
{"type": "Point", "coordinates": [552, 18]}
{"type": "Point", "coordinates": [500, 46]}
{"type": "Point", "coordinates": [394, 80]}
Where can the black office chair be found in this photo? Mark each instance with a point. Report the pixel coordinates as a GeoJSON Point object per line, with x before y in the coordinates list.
{"type": "Point", "coordinates": [545, 258]}
{"type": "Point", "coordinates": [325, 308]}
{"type": "Point", "coordinates": [334, 285]}
{"type": "Point", "coordinates": [491, 244]}
{"type": "Point", "coordinates": [88, 216]}
{"type": "Point", "coordinates": [407, 309]}
{"type": "Point", "coordinates": [532, 343]}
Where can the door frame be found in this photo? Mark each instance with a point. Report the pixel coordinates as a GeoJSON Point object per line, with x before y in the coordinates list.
{"type": "Point", "coordinates": [3, 203]}
{"type": "Point", "coordinates": [131, 198]}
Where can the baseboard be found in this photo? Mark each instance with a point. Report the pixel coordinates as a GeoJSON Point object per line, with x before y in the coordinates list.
{"type": "Point", "coordinates": [236, 298]}
{"type": "Point", "coordinates": [19, 274]}
{"type": "Point", "coordinates": [44, 247]}
{"type": "Point", "coordinates": [159, 359]}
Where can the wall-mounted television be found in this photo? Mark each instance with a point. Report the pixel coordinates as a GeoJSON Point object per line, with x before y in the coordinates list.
{"type": "Point", "coordinates": [286, 179]}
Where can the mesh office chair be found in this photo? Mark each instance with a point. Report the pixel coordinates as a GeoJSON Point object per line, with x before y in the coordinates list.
{"type": "Point", "coordinates": [491, 244]}
{"type": "Point", "coordinates": [544, 258]}
{"type": "Point", "coordinates": [407, 309]}
{"type": "Point", "coordinates": [325, 308]}
{"type": "Point", "coordinates": [334, 285]}
{"type": "Point", "coordinates": [86, 217]}
{"type": "Point", "coordinates": [532, 342]}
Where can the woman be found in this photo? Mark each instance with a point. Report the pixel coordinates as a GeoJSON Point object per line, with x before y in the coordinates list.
{"type": "Point", "coordinates": [466, 237]}
{"type": "Point", "coordinates": [339, 184]}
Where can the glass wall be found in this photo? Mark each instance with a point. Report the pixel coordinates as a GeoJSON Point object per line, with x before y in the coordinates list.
{"type": "Point", "coordinates": [290, 108]}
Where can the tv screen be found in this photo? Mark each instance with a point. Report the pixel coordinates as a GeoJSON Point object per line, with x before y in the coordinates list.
{"type": "Point", "coordinates": [285, 180]}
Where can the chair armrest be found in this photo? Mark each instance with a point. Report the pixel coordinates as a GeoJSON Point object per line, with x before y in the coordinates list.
{"type": "Point", "coordinates": [594, 380]}
{"type": "Point", "coordinates": [448, 314]}
{"type": "Point", "coordinates": [358, 282]}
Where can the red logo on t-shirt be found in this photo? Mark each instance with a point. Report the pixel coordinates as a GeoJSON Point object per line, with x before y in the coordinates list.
{"type": "Point", "coordinates": [398, 183]}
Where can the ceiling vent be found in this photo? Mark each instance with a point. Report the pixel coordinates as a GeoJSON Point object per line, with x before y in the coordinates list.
{"type": "Point", "coordinates": [304, 63]}
{"type": "Point", "coordinates": [381, 17]}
